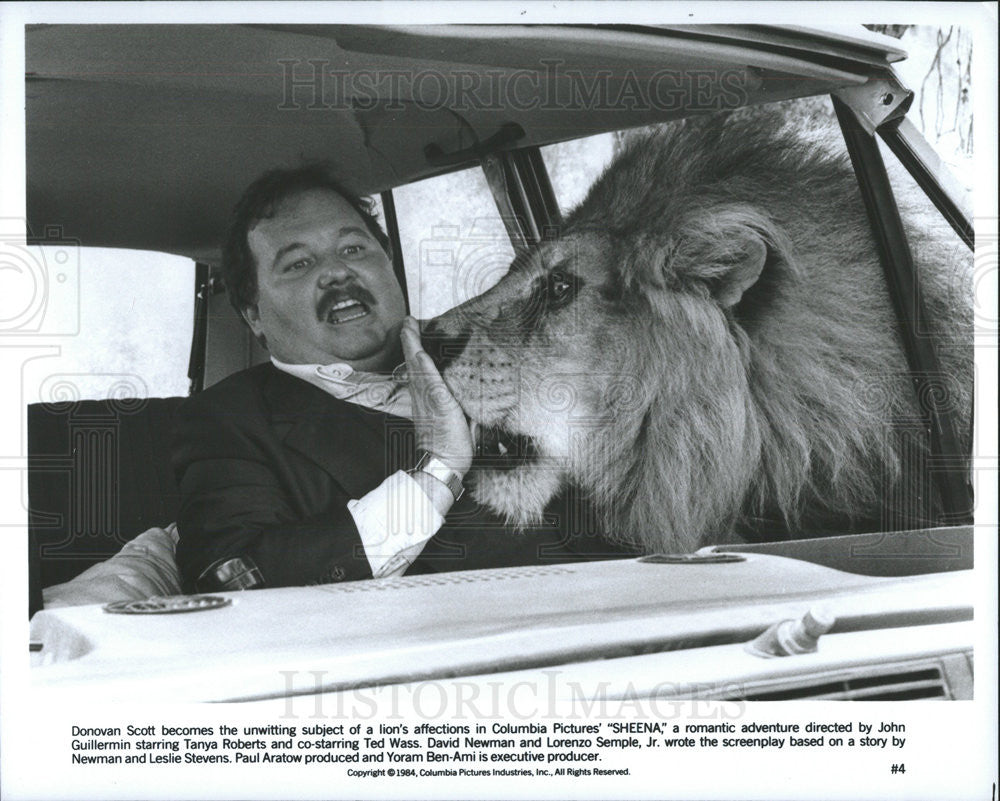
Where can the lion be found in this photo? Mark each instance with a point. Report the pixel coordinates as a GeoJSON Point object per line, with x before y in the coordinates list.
{"type": "Point", "coordinates": [708, 350]}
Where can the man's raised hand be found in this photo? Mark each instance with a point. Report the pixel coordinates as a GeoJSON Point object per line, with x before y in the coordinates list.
{"type": "Point", "coordinates": [440, 423]}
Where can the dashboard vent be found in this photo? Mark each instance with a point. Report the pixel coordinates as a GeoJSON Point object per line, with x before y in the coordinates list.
{"type": "Point", "coordinates": [926, 683]}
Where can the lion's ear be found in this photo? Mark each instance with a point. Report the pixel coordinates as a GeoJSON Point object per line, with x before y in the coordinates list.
{"type": "Point", "coordinates": [726, 250]}
{"type": "Point", "coordinates": [739, 272]}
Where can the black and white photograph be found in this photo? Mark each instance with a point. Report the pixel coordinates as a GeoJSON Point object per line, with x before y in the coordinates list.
{"type": "Point", "coordinates": [454, 400]}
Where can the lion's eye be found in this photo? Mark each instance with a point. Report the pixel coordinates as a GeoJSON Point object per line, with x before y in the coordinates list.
{"type": "Point", "coordinates": [555, 290]}
{"type": "Point", "coordinates": [559, 286]}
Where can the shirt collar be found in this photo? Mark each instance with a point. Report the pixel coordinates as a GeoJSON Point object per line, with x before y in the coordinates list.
{"type": "Point", "coordinates": [335, 372]}
{"type": "Point", "coordinates": [372, 390]}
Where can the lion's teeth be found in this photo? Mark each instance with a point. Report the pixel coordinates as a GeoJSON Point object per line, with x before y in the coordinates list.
{"type": "Point", "coordinates": [502, 448]}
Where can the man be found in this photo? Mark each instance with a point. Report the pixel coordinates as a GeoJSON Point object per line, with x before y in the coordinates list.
{"type": "Point", "coordinates": [320, 466]}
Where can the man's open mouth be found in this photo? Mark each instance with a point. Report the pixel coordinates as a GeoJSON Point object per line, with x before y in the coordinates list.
{"type": "Point", "coordinates": [344, 305]}
{"type": "Point", "coordinates": [499, 449]}
{"type": "Point", "coordinates": [345, 311]}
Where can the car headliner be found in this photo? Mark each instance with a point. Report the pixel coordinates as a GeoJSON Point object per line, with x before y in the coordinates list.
{"type": "Point", "coordinates": [143, 136]}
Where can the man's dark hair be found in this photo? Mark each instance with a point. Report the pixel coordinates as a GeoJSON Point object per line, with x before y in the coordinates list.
{"type": "Point", "coordinates": [260, 201]}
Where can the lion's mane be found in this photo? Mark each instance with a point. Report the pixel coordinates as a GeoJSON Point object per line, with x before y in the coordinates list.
{"type": "Point", "coordinates": [792, 410]}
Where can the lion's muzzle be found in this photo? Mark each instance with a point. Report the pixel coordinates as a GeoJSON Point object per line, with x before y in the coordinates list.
{"type": "Point", "coordinates": [441, 346]}
{"type": "Point", "coordinates": [499, 449]}
{"type": "Point", "coordinates": [496, 447]}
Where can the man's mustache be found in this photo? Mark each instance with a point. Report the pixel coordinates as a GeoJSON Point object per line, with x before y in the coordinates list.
{"type": "Point", "coordinates": [335, 295]}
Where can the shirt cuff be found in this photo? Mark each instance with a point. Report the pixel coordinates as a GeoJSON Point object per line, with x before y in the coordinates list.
{"type": "Point", "coordinates": [395, 520]}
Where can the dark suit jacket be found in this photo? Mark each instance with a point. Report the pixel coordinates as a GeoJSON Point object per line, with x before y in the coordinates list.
{"type": "Point", "coordinates": [266, 464]}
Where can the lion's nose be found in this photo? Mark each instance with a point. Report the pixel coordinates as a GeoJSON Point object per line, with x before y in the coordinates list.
{"type": "Point", "coordinates": [441, 346]}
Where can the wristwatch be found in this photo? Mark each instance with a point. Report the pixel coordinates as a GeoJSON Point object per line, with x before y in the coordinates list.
{"type": "Point", "coordinates": [430, 464]}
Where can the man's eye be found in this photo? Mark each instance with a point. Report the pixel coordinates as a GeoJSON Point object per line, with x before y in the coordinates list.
{"type": "Point", "coordinates": [298, 264]}
{"type": "Point", "coordinates": [353, 250]}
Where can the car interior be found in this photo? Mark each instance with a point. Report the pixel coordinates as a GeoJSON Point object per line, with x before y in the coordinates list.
{"type": "Point", "coordinates": [142, 137]}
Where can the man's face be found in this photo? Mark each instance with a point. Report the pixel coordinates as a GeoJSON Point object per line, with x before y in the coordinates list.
{"type": "Point", "coordinates": [326, 289]}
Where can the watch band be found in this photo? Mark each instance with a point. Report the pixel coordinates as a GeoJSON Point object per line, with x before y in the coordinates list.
{"type": "Point", "coordinates": [430, 464]}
